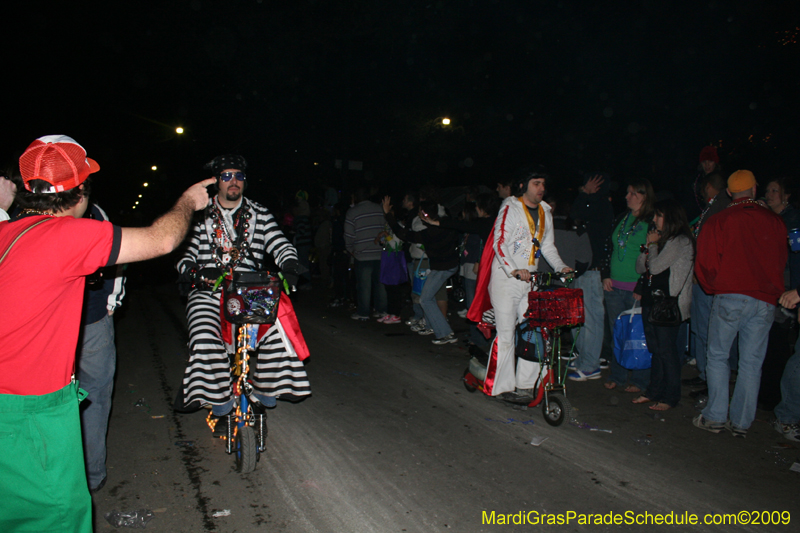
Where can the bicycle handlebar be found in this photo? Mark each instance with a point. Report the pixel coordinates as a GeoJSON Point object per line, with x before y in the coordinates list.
{"type": "Point", "coordinates": [546, 278]}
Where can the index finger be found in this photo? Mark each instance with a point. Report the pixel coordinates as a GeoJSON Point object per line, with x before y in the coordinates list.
{"type": "Point", "coordinates": [208, 181]}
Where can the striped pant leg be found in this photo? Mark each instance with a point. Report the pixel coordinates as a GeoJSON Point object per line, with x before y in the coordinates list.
{"type": "Point", "coordinates": [208, 375]}
{"type": "Point", "coordinates": [278, 371]}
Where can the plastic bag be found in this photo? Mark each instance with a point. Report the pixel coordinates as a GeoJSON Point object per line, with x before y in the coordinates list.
{"type": "Point", "coordinates": [419, 279]}
{"type": "Point", "coordinates": [630, 346]}
{"type": "Point", "coordinates": [394, 270]}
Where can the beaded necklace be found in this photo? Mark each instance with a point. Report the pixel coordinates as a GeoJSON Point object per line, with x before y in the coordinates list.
{"type": "Point", "coordinates": [26, 212]}
{"type": "Point", "coordinates": [229, 245]}
{"type": "Point", "coordinates": [747, 201]}
{"type": "Point", "coordinates": [703, 216]}
{"type": "Point", "coordinates": [622, 238]}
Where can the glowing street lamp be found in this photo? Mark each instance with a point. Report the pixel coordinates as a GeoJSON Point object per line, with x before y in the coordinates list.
{"type": "Point", "coordinates": [445, 121]}
{"type": "Point", "coordinates": [145, 184]}
{"type": "Point", "coordinates": [178, 130]}
{"type": "Point", "coordinates": [154, 167]}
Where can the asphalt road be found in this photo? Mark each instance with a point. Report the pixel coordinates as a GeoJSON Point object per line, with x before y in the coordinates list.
{"type": "Point", "coordinates": [392, 441]}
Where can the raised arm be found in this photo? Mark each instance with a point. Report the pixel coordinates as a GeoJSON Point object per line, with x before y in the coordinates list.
{"type": "Point", "coordinates": [168, 231]}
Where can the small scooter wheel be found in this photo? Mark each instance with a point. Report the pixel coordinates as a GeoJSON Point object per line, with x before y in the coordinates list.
{"type": "Point", "coordinates": [246, 450]}
{"type": "Point", "coordinates": [555, 409]}
{"type": "Point", "coordinates": [467, 386]}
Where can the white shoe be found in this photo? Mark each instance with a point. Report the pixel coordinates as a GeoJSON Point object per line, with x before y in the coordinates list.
{"type": "Point", "coordinates": [447, 339]}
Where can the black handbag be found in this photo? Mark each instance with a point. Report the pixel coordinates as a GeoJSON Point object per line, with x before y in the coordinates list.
{"type": "Point", "coordinates": [251, 298]}
{"type": "Point", "coordinates": [665, 311]}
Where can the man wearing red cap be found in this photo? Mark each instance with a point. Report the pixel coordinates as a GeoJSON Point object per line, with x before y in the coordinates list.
{"type": "Point", "coordinates": [741, 253]}
{"type": "Point", "coordinates": [48, 251]}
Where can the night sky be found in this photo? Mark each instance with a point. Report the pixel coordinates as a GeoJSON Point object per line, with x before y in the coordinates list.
{"type": "Point", "coordinates": [633, 88]}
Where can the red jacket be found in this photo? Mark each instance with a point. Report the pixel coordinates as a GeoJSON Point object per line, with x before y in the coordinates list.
{"type": "Point", "coordinates": [743, 250]}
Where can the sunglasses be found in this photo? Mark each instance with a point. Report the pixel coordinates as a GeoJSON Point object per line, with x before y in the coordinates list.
{"type": "Point", "coordinates": [228, 176]}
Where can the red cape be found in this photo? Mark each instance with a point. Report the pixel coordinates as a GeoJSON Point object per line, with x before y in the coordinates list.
{"type": "Point", "coordinates": [481, 302]}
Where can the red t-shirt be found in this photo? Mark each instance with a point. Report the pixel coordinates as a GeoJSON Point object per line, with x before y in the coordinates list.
{"type": "Point", "coordinates": [41, 283]}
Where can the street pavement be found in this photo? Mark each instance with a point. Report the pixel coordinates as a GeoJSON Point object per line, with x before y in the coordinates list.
{"type": "Point", "coordinates": [392, 441]}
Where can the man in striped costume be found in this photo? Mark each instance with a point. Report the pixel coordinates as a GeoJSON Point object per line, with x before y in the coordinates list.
{"type": "Point", "coordinates": [237, 234]}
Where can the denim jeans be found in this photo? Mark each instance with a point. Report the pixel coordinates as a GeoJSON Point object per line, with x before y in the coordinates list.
{"type": "Point", "coordinates": [616, 301]}
{"type": "Point", "coordinates": [788, 411]}
{"type": "Point", "coordinates": [369, 287]}
{"type": "Point", "coordinates": [427, 300]}
{"type": "Point", "coordinates": [590, 338]}
{"type": "Point", "coordinates": [97, 363]}
{"type": "Point", "coordinates": [665, 372]}
{"type": "Point", "coordinates": [701, 311]}
{"type": "Point", "coordinates": [751, 319]}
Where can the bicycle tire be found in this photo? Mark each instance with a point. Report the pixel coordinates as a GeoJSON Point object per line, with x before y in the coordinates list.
{"type": "Point", "coordinates": [246, 450]}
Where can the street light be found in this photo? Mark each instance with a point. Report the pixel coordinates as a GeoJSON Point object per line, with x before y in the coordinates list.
{"type": "Point", "coordinates": [154, 167]}
{"type": "Point", "coordinates": [145, 184]}
{"type": "Point", "coordinates": [178, 130]}
{"type": "Point", "coordinates": [445, 121]}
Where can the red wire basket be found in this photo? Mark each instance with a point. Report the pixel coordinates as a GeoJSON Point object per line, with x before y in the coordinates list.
{"type": "Point", "coordinates": [555, 308]}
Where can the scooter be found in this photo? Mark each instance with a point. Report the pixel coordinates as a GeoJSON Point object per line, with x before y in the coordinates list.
{"type": "Point", "coordinates": [548, 312]}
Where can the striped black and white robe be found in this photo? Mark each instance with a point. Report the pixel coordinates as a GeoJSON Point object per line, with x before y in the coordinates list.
{"type": "Point", "coordinates": [277, 371]}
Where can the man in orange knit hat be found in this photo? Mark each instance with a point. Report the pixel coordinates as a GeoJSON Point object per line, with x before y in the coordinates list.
{"type": "Point", "coordinates": [741, 253]}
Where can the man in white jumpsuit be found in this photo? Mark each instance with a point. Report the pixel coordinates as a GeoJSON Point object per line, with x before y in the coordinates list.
{"type": "Point", "coordinates": [523, 233]}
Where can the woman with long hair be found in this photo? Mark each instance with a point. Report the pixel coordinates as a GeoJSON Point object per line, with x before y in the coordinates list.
{"type": "Point", "coordinates": [666, 264]}
{"type": "Point", "coordinates": [619, 275]}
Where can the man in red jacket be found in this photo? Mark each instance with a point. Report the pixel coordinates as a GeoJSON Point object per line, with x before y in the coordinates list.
{"type": "Point", "coordinates": [741, 254]}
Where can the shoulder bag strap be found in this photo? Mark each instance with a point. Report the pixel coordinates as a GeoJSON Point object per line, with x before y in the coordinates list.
{"type": "Point", "coordinates": [23, 232]}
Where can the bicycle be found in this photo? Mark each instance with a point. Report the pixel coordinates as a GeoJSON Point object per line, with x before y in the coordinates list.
{"type": "Point", "coordinates": [249, 300]}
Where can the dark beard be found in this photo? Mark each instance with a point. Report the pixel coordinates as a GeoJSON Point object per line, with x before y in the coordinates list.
{"type": "Point", "coordinates": [233, 197]}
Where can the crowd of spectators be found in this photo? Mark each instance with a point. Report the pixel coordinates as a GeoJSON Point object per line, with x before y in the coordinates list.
{"type": "Point", "coordinates": [634, 258]}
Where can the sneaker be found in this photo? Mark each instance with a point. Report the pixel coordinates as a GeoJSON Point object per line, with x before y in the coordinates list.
{"type": "Point", "coordinates": [604, 363]}
{"type": "Point", "coordinates": [702, 423]}
{"type": "Point", "coordinates": [391, 319]}
{"type": "Point", "coordinates": [379, 315]}
{"type": "Point", "coordinates": [425, 331]}
{"type": "Point", "coordinates": [519, 396]}
{"type": "Point", "coordinates": [571, 367]}
{"type": "Point", "coordinates": [447, 339]}
{"type": "Point", "coordinates": [579, 375]}
{"type": "Point", "coordinates": [412, 321]}
{"type": "Point", "coordinates": [735, 431]}
{"type": "Point", "coordinates": [335, 303]}
{"type": "Point", "coordinates": [692, 362]}
{"type": "Point", "coordinates": [356, 316]}
{"type": "Point", "coordinates": [463, 313]}
{"type": "Point", "coordinates": [789, 431]}
{"type": "Point", "coordinates": [419, 326]}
